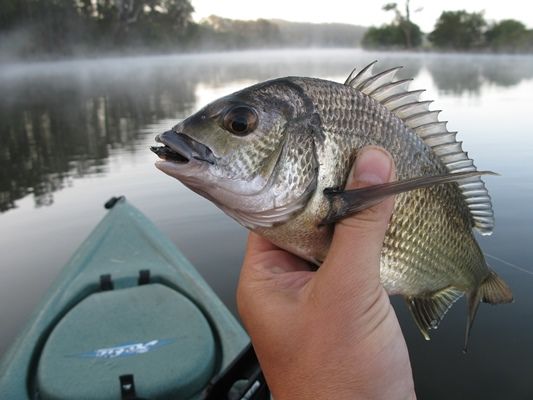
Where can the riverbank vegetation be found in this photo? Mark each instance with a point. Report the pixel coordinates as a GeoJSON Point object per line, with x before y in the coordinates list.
{"type": "Point", "coordinates": [453, 31]}
{"type": "Point", "coordinates": [63, 28]}
{"type": "Point", "coordinates": [50, 29]}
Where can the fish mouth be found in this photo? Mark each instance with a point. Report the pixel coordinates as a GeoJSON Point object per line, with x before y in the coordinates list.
{"type": "Point", "coordinates": [181, 149]}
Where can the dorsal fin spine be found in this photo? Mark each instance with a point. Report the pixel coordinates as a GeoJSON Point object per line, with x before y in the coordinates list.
{"type": "Point", "coordinates": [362, 76]}
{"type": "Point", "coordinates": [416, 120]}
{"type": "Point", "coordinates": [440, 138]}
{"type": "Point", "coordinates": [406, 110]}
{"type": "Point", "coordinates": [347, 81]}
{"type": "Point", "coordinates": [431, 128]}
{"type": "Point", "coordinates": [391, 89]}
{"type": "Point", "coordinates": [401, 95]}
{"type": "Point", "coordinates": [461, 164]}
{"type": "Point", "coordinates": [400, 99]}
{"type": "Point", "coordinates": [405, 104]}
{"type": "Point", "coordinates": [378, 80]}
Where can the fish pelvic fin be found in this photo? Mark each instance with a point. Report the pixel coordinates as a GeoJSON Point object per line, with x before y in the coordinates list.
{"type": "Point", "coordinates": [429, 310]}
{"type": "Point", "coordinates": [344, 203]}
{"type": "Point", "coordinates": [493, 290]}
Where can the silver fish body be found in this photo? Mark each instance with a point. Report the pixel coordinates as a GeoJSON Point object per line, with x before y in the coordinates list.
{"type": "Point", "coordinates": [276, 148]}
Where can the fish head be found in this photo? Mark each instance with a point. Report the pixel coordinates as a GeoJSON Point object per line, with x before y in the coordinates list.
{"type": "Point", "coordinates": [231, 151]}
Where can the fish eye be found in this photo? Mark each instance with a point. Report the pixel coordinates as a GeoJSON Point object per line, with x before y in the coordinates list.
{"type": "Point", "coordinates": [240, 120]}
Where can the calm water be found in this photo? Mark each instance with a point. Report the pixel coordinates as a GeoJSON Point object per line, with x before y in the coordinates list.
{"type": "Point", "coordinates": [73, 134]}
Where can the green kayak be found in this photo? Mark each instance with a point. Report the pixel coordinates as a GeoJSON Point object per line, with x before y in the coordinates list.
{"type": "Point", "coordinates": [130, 318]}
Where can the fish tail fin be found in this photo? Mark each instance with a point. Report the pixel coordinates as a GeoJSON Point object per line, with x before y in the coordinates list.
{"type": "Point", "coordinates": [493, 290]}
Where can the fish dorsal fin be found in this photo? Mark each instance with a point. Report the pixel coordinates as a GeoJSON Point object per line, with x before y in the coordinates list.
{"type": "Point", "coordinates": [361, 77]}
{"type": "Point", "coordinates": [405, 104]}
{"type": "Point", "coordinates": [429, 310]}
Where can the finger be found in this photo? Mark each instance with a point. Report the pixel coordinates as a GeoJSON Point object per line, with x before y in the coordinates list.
{"type": "Point", "coordinates": [264, 258]}
{"type": "Point", "coordinates": [268, 272]}
{"type": "Point", "coordinates": [357, 241]}
{"type": "Point", "coordinates": [258, 244]}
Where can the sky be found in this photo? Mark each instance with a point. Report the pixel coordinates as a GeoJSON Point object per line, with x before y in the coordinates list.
{"type": "Point", "coordinates": [359, 12]}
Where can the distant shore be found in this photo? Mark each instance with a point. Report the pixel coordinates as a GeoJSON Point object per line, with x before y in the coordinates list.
{"type": "Point", "coordinates": [132, 54]}
{"type": "Point", "coordinates": [37, 31]}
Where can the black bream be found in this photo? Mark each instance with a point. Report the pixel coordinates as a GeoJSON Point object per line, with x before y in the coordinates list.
{"type": "Point", "coordinates": [275, 157]}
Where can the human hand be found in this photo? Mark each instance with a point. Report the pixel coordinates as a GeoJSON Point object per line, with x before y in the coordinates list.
{"type": "Point", "coordinates": [330, 333]}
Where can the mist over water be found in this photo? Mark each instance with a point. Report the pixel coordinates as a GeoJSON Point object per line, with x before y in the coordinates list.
{"type": "Point", "coordinates": [74, 133]}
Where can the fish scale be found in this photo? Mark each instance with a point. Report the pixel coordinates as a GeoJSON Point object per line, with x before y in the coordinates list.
{"type": "Point", "coordinates": [387, 131]}
{"type": "Point", "coordinates": [284, 179]}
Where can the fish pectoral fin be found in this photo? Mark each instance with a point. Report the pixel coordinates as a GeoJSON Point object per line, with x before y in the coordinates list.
{"type": "Point", "coordinates": [347, 202]}
{"type": "Point", "coordinates": [430, 309]}
{"type": "Point", "coordinates": [493, 290]}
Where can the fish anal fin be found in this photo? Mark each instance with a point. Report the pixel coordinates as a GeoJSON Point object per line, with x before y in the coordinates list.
{"type": "Point", "coordinates": [347, 202]}
{"type": "Point", "coordinates": [429, 310]}
{"type": "Point", "coordinates": [493, 290]}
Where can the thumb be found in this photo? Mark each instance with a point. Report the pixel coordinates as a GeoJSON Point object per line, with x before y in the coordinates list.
{"type": "Point", "coordinates": [355, 250]}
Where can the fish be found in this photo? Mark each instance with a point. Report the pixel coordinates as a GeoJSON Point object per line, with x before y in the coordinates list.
{"type": "Point", "coordinates": [275, 157]}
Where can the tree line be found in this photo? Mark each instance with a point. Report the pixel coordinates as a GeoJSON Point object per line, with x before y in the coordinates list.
{"type": "Point", "coordinates": [39, 28]}
{"type": "Point", "coordinates": [454, 30]}
{"type": "Point", "coordinates": [36, 28]}
{"type": "Point", "coordinates": [58, 27]}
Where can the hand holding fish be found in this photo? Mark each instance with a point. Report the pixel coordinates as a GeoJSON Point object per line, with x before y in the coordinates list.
{"type": "Point", "coordinates": [275, 157]}
{"type": "Point", "coordinates": [330, 333]}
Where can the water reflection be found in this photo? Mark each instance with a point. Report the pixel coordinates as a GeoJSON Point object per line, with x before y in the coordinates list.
{"type": "Point", "coordinates": [468, 74]}
{"type": "Point", "coordinates": [95, 119]}
{"type": "Point", "coordinates": [60, 121]}
{"type": "Point", "coordinates": [57, 129]}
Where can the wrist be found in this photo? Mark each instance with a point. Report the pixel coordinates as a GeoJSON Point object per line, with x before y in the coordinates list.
{"type": "Point", "coordinates": [329, 392]}
{"type": "Point", "coordinates": [343, 384]}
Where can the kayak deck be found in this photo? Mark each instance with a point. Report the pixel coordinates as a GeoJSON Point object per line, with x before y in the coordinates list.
{"type": "Point", "coordinates": [128, 307]}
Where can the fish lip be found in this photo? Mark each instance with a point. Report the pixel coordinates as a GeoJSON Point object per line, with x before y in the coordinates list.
{"type": "Point", "coordinates": [179, 148]}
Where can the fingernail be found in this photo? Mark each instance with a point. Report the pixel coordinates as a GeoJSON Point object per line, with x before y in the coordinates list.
{"type": "Point", "coordinates": [373, 166]}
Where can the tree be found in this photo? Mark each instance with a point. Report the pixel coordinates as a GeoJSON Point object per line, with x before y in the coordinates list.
{"type": "Point", "coordinates": [459, 30]}
{"type": "Point", "coordinates": [239, 33]}
{"type": "Point", "coordinates": [508, 34]}
{"type": "Point", "coordinates": [401, 32]}
{"type": "Point", "coordinates": [41, 27]}
{"type": "Point", "coordinates": [12, 12]}
{"type": "Point", "coordinates": [387, 36]}
{"type": "Point", "coordinates": [411, 32]}
{"type": "Point", "coordinates": [143, 21]}
{"type": "Point", "coordinates": [179, 12]}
